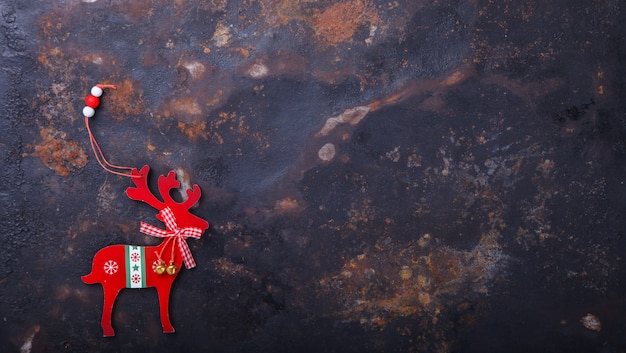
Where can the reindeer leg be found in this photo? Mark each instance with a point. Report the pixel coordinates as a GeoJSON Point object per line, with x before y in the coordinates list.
{"type": "Point", "coordinates": [110, 294]}
{"type": "Point", "coordinates": [163, 289]}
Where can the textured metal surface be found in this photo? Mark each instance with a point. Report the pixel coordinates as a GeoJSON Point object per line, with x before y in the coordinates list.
{"type": "Point", "coordinates": [397, 176]}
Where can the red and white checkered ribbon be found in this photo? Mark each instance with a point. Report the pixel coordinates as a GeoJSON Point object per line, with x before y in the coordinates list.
{"type": "Point", "coordinates": [173, 230]}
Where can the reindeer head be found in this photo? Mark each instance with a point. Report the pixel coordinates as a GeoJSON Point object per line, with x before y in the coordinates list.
{"type": "Point", "coordinates": [141, 192]}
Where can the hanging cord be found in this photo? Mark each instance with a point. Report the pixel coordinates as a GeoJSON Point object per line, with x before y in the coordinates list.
{"type": "Point", "coordinates": [93, 101]}
{"type": "Point", "coordinates": [173, 253]}
{"type": "Point", "coordinates": [159, 254]}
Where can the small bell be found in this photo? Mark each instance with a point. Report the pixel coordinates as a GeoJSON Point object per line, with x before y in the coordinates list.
{"type": "Point", "coordinates": [171, 270]}
{"type": "Point", "coordinates": [159, 269]}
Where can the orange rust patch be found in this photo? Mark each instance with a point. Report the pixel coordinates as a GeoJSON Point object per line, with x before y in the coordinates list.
{"type": "Point", "coordinates": [457, 76]}
{"type": "Point", "coordinates": [242, 51]}
{"type": "Point", "coordinates": [190, 107]}
{"type": "Point", "coordinates": [216, 98]}
{"type": "Point", "coordinates": [59, 154]}
{"type": "Point", "coordinates": [287, 205]}
{"type": "Point", "coordinates": [124, 102]}
{"type": "Point", "coordinates": [51, 26]}
{"type": "Point", "coordinates": [228, 268]}
{"type": "Point", "coordinates": [194, 129]}
{"type": "Point", "coordinates": [409, 279]}
{"type": "Point", "coordinates": [277, 13]}
{"type": "Point", "coordinates": [338, 22]}
{"type": "Point", "coordinates": [443, 266]}
{"type": "Point", "coordinates": [334, 76]}
{"type": "Point", "coordinates": [56, 62]}
{"type": "Point", "coordinates": [228, 123]}
{"type": "Point", "coordinates": [361, 212]}
{"type": "Point", "coordinates": [185, 105]}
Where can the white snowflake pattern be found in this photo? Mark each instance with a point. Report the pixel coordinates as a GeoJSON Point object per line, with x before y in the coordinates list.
{"type": "Point", "coordinates": [110, 267]}
{"type": "Point", "coordinates": [134, 257]}
{"type": "Point", "coordinates": [135, 278]}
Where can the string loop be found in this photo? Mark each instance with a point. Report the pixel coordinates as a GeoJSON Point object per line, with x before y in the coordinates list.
{"type": "Point", "coordinates": [92, 101]}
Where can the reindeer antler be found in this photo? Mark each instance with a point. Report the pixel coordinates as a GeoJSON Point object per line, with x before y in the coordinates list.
{"type": "Point", "coordinates": [193, 195]}
{"type": "Point", "coordinates": [166, 184]}
{"type": "Point", "coordinates": [141, 192]}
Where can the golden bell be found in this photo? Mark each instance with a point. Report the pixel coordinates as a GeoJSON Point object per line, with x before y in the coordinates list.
{"type": "Point", "coordinates": [159, 269]}
{"type": "Point", "coordinates": [171, 269]}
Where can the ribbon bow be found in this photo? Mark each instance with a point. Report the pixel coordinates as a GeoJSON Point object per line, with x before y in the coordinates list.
{"type": "Point", "coordinates": [173, 230]}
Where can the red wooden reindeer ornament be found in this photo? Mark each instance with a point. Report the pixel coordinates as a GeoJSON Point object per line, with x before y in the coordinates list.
{"type": "Point", "coordinates": [126, 266]}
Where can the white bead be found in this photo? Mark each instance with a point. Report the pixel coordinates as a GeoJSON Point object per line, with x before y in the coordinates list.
{"type": "Point", "coordinates": [88, 112]}
{"type": "Point", "coordinates": [96, 91]}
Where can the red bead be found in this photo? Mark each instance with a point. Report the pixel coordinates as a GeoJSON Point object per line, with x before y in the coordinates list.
{"type": "Point", "coordinates": [92, 101]}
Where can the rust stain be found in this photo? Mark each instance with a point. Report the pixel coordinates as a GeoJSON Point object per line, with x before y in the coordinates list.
{"type": "Point", "coordinates": [221, 36]}
{"type": "Point", "coordinates": [185, 105]}
{"type": "Point", "coordinates": [229, 124]}
{"type": "Point", "coordinates": [59, 154]}
{"type": "Point", "coordinates": [228, 268]}
{"type": "Point", "coordinates": [216, 98]}
{"type": "Point", "coordinates": [334, 76]}
{"type": "Point", "coordinates": [244, 52]}
{"type": "Point", "coordinates": [287, 205]}
{"type": "Point", "coordinates": [280, 63]}
{"type": "Point", "coordinates": [391, 280]}
{"type": "Point", "coordinates": [52, 26]}
{"type": "Point", "coordinates": [199, 94]}
{"type": "Point", "coordinates": [355, 115]}
{"type": "Point", "coordinates": [283, 11]}
{"type": "Point", "coordinates": [56, 62]}
{"type": "Point", "coordinates": [193, 130]}
{"type": "Point", "coordinates": [370, 284]}
{"type": "Point", "coordinates": [352, 116]}
{"type": "Point", "coordinates": [362, 281]}
{"type": "Point", "coordinates": [360, 212]}
{"type": "Point", "coordinates": [126, 101]}
{"type": "Point", "coordinates": [338, 22]}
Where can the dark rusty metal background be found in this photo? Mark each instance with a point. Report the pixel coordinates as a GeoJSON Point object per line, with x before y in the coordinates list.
{"type": "Point", "coordinates": [380, 176]}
